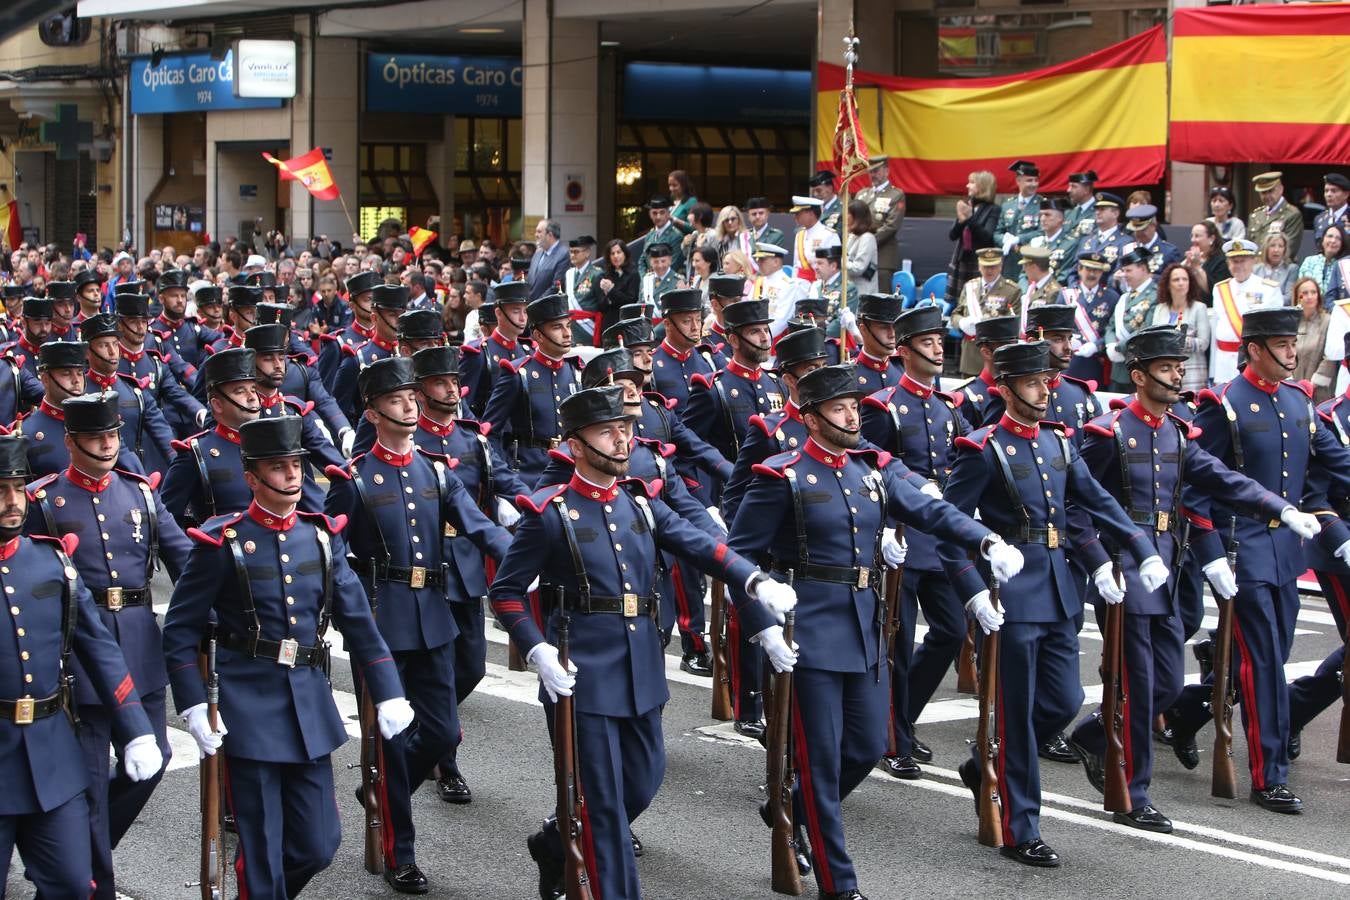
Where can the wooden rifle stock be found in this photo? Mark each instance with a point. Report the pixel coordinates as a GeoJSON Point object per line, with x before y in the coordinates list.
{"type": "Point", "coordinates": [786, 877]}
{"type": "Point", "coordinates": [212, 876]}
{"type": "Point", "coordinates": [1115, 695]}
{"type": "Point", "coordinates": [722, 709]}
{"type": "Point", "coordinates": [514, 661]}
{"type": "Point", "coordinates": [892, 628]}
{"type": "Point", "coordinates": [372, 772]}
{"type": "Point", "coordinates": [1224, 782]}
{"type": "Point", "coordinates": [570, 799]}
{"type": "Point", "coordinates": [967, 682]}
{"type": "Point", "coordinates": [986, 738]}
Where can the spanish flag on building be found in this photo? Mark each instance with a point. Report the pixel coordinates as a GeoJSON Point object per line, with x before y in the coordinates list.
{"type": "Point", "coordinates": [311, 170]}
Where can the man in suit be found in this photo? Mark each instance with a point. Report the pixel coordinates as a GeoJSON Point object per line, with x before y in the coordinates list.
{"type": "Point", "coordinates": [549, 261]}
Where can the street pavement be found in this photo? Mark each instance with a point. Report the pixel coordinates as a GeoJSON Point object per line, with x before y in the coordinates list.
{"type": "Point", "coordinates": [704, 839]}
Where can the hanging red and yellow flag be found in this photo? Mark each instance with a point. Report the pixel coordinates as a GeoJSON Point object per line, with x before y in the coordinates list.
{"type": "Point", "coordinates": [11, 229]}
{"type": "Point", "coordinates": [311, 170]}
{"type": "Point", "coordinates": [850, 147]}
{"type": "Point", "coordinates": [421, 239]}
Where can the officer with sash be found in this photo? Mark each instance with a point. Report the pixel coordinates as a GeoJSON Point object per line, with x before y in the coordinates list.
{"type": "Point", "coordinates": [1109, 239]}
{"type": "Point", "coordinates": [1234, 298]}
{"type": "Point", "coordinates": [1134, 310]}
{"type": "Point", "coordinates": [1095, 301]}
{"type": "Point", "coordinates": [581, 285]}
{"type": "Point", "coordinates": [774, 285]}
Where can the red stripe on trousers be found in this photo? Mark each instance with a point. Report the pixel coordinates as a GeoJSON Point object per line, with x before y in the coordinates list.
{"type": "Point", "coordinates": [685, 616]}
{"type": "Point", "coordinates": [1256, 757]}
{"type": "Point", "coordinates": [820, 857]}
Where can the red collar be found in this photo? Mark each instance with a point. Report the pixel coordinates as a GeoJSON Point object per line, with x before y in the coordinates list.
{"type": "Point", "coordinates": [55, 412]}
{"type": "Point", "coordinates": [30, 347]}
{"type": "Point", "coordinates": [169, 322]}
{"type": "Point", "coordinates": [383, 344]}
{"type": "Point", "coordinates": [593, 492]}
{"type": "Point", "coordinates": [793, 411]}
{"type": "Point", "coordinates": [676, 354]}
{"type": "Point", "coordinates": [366, 331]}
{"type": "Point", "coordinates": [227, 433]}
{"type": "Point", "coordinates": [546, 361]}
{"type": "Point", "coordinates": [748, 374]}
{"type": "Point", "coordinates": [508, 344]}
{"type": "Point", "coordinates": [10, 548]}
{"type": "Point", "coordinates": [876, 365]}
{"type": "Point", "coordinates": [921, 391]}
{"type": "Point", "coordinates": [1269, 387]}
{"type": "Point", "coordinates": [384, 454]}
{"type": "Point", "coordinates": [426, 423]}
{"type": "Point", "coordinates": [717, 329]}
{"type": "Point", "coordinates": [131, 355]}
{"type": "Point", "coordinates": [1011, 425]}
{"type": "Point", "coordinates": [821, 455]}
{"type": "Point", "coordinates": [270, 520]}
{"type": "Point", "coordinates": [270, 400]}
{"type": "Point", "coordinates": [1143, 415]}
{"type": "Point", "coordinates": [61, 332]}
{"type": "Point", "coordinates": [88, 482]}
{"type": "Point", "coordinates": [236, 338]}
{"type": "Point", "coordinates": [987, 378]}
{"type": "Point", "coordinates": [106, 381]}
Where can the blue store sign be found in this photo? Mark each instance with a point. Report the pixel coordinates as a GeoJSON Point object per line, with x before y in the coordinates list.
{"type": "Point", "coordinates": [192, 82]}
{"type": "Point", "coordinates": [448, 85]}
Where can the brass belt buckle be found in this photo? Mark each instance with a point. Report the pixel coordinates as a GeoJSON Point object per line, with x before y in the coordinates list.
{"type": "Point", "coordinates": [1164, 521]}
{"type": "Point", "coordinates": [630, 606]}
{"type": "Point", "coordinates": [290, 649]}
{"type": "Point", "coordinates": [417, 578]}
{"type": "Point", "coordinates": [1052, 537]}
{"type": "Point", "coordinates": [114, 596]}
{"type": "Point", "coordinates": [23, 711]}
{"type": "Point", "coordinates": [864, 576]}
{"type": "Point", "coordinates": [1274, 523]}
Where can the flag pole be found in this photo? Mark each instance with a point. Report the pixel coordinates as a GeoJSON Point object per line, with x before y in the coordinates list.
{"type": "Point", "coordinates": [850, 57]}
{"type": "Point", "coordinates": [346, 212]}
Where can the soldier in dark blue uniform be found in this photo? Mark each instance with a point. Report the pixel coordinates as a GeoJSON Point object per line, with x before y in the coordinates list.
{"type": "Point", "coordinates": [1021, 473]}
{"type": "Point", "coordinates": [210, 300]}
{"type": "Point", "coordinates": [36, 331]}
{"type": "Point", "coordinates": [819, 514]}
{"type": "Point", "coordinates": [268, 343]}
{"type": "Point", "coordinates": [62, 295]}
{"type": "Point", "coordinates": [88, 295]}
{"type": "Point", "coordinates": [148, 364]}
{"type": "Point", "coordinates": [20, 388]}
{"type": "Point", "coordinates": [814, 312]}
{"type": "Point", "coordinates": [918, 424]}
{"type": "Point", "coordinates": [124, 531]}
{"type": "Point", "coordinates": [401, 500]}
{"type": "Point", "coordinates": [675, 360]}
{"type": "Point", "coordinates": [876, 321]}
{"type": "Point", "coordinates": [503, 321]}
{"type": "Point", "coordinates": [981, 391]}
{"type": "Point", "coordinates": [271, 578]}
{"type": "Point", "coordinates": [241, 305]}
{"type": "Point", "coordinates": [178, 332]}
{"type": "Point", "coordinates": [1264, 427]}
{"type": "Point", "coordinates": [523, 409]}
{"type": "Point", "coordinates": [52, 635]}
{"type": "Point", "coordinates": [144, 430]}
{"type": "Point", "coordinates": [390, 300]}
{"type": "Point", "coordinates": [593, 543]}
{"type": "Point", "coordinates": [297, 348]}
{"type": "Point", "coordinates": [723, 290]}
{"type": "Point", "coordinates": [1148, 459]}
{"type": "Point", "coordinates": [360, 329]}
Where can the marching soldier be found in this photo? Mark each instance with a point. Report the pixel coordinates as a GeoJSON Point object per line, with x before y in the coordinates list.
{"type": "Point", "coordinates": [149, 366]}
{"type": "Point", "coordinates": [88, 295]}
{"type": "Point", "coordinates": [1071, 401]}
{"type": "Point", "coordinates": [674, 361]}
{"type": "Point", "coordinates": [403, 563]}
{"type": "Point", "coordinates": [604, 584]}
{"type": "Point", "coordinates": [241, 309]}
{"type": "Point", "coordinates": [1020, 473]}
{"type": "Point", "coordinates": [20, 388]}
{"type": "Point", "coordinates": [721, 404]}
{"type": "Point", "coordinates": [792, 512]}
{"type": "Point", "coordinates": [1276, 214]}
{"type": "Point", "coordinates": [1264, 427]}
{"type": "Point", "coordinates": [1080, 220]}
{"type": "Point", "coordinates": [1335, 191]}
{"type": "Point", "coordinates": [1233, 298]}
{"type": "Point", "coordinates": [175, 329]}
{"type": "Point", "coordinates": [1037, 284]}
{"type": "Point", "coordinates": [1057, 237]}
{"type": "Point", "coordinates": [990, 295]}
{"type": "Point", "coordinates": [55, 639]}
{"type": "Point", "coordinates": [1146, 457]}
{"type": "Point", "coordinates": [62, 295]}
{"type": "Point", "coordinates": [124, 531]}
{"type": "Point", "coordinates": [272, 578]}
{"type": "Point", "coordinates": [298, 347]}
{"type": "Point", "coordinates": [1095, 301]}
{"type": "Point", "coordinates": [268, 343]}
{"type": "Point", "coordinates": [982, 390]}
{"type": "Point", "coordinates": [355, 333]}
{"type": "Point", "coordinates": [36, 331]}
{"type": "Point", "coordinates": [813, 313]}
{"type": "Point", "coordinates": [144, 430]}
{"type": "Point", "coordinates": [659, 277]}
{"type": "Point", "coordinates": [1109, 239]}
{"type": "Point", "coordinates": [1142, 224]}
{"type": "Point", "coordinates": [504, 314]}
{"type": "Point", "coordinates": [723, 290]}
{"type": "Point", "coordinates": [887, 203]}
{"type": "Point", "coordinates": [1019, 216]}
{"type": "Point", "coordinates": [757, 209]}
{"type": "Point", "coordinates": [876, 324]}
{"type": "Point", "coordinates": [211, 308]}
{"type": "Point", "coordinates": [265, 282]}
{"type": "Point", "coordinates": [389, 302]}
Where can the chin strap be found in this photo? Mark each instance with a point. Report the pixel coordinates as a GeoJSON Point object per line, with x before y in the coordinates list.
{"type": "Point", "coordinates": [614, 459]}
{"type": "Point", "coordinates": [889, 348]}
{"type": "Point", "coordinates": [400, 422]}
{"type": "Point", "coordinates": [251, 410]}
{"type": "Point", "coordinates": [1040, 409]}
{"type": "Point", "coordinates": [451, 408]}
{"type": "Point", "coordinates": [285, 492]}
{"type": "Point", "coordinates": [848, 431]}
{"type": "Point", "coordinates": [920, 354]}
{"type": "Point", "coordinates": [9, 534]}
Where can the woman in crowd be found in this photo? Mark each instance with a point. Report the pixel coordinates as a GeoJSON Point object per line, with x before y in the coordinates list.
{"type": "Point", "coordinates": [1181, 303]}
{"type": "Point", "coordinates": [681, 189]}
{"type": "Point", "coordinates": [738, 263]}
{"type": "Point", "coordinates": [1205, 256]}
{"type": "Point", "coordinates": [701, 218]}
{"type": "Point", "coordinates": [703, 264]}
{"type": "Point", "coordinates": [732, 233]}
{"type": "Point", "coordinates": [453, 314]}
{"type": "Point", "coordinates": [1275, 264]}
{"type": "Point", "coordinates": [1324, 267]}
{"type": "Point", "coordinates": [1221, 206]}
{"type": "Point", "coordinates": [862, 250]}
{"type": "Point", "coordinates": [1312, 340]}
{"type": "Point", "coordinates": [976, 219]}
{"type": "Point", "coordinates": [619, 282]}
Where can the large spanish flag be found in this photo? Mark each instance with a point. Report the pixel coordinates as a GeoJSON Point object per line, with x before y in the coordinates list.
{"type": "Point", "coordinates": [1261, 84]}
{"type": "Point", "coordinates": [1106, 111]}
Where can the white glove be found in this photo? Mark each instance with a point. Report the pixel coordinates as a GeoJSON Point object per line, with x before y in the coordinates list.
{"type": "Point", "coordinates": [507, 514]}
{"type": "Point", "coordinates": [781, 656]}
{"type": "Point", "coordinates": [716, 516]}
{"type": "Point", "coordinates": [968, 326]}
{"type": "Point", "coordinates": [1009, 242]}
{"type": "Point", "coordinates": [931, 489]}
{"type": "Point", "coordinates": [201, 417]}
{"type": "Point", "coordinates": [1107, 586]}
{"type": "Point", "coordinates": [990, 619]}
{"type": "Point", "coordinates": [393, 715]}
{"type": "Point", "coordinates": [208, 741]}
{"type": "Point", "coordinates": [1153, 573]}
{"type": "Point", "coordinates": [780, 598]}
{"type": "Point", "coordinates": [1088, 349]}
{"type": "Point", "coordinates": [347, 438]}
{"type": "Point", "coordinates": [141, 757]}
{"type": "Point", "coordinates": [1305, 525]}
{"type": "Point", "coordinates": [1113, 353]}
{"type": "Point", "coordinates": [1221, 578]}
{"type": "Point", "coordinates": [1343, 552]}
{"type": "Point", "coordinates": [892, 551]}
{"type": "Point", "coordinates": [1005, 560]}
{"type": "Point", "coordinates": [557, 681]}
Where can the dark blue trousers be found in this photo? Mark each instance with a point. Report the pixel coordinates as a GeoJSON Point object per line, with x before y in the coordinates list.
{"type": "Point", "coordinates": [746, 663]}
{"type": "Point", "coordinates": [918, 671]}
{"type": "Point", "coordinates": [54, 847]}
{"type": "Point", "coordinates": [1311, 694]}
{"type": "Point", "coordinates": [114, 799]}
{"type": "Point", "coordinates": [470, 663]}
{"type": "Point", "coordinates": [687, 592]}
{"type": "Point", "coordinates": [288, 823]}
{"type": "Point", "coordinates": [1190, 595]}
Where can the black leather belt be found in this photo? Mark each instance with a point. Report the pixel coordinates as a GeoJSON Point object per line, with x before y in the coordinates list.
{"type": "Point", "coordinates": [413, 576]}
{"type": "Point", "coordinates": [27, 710]}
{"type": "Point", "coordinates": [1050, 536]}
{"type": "Point", "coordinates": [552, 443]}
{"type": "Point", "coordinates": [289, 653]}
{"type": "Point", "coordinates": [115, 598]}
{"type": "Point", "coordinates": [857, 577]}
{"type": "Point", "coordinates": [1159, 521]}
{"type": "Point", "coordinates": [629, 606]}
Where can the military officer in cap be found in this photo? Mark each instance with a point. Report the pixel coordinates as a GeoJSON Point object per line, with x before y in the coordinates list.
{"type": "Point", "coordinates": [389, 301]}
{"type": "Point", "coordinates": [821, 187]}
{"type": "Point", "coordinates": [792, 513]}
{"type": "Point", "coordinates": [757, 211]}
{"type": "Point", "coordinates": [1056, 236]}
{"type": "Point", "coordinates": [1233, 298]}
{"type": "Point", "coordinates": [504, 318]}
{"type": "Point", "coordinates": [1336, 193]}
{"type": "Point", "coordinates": [663, 231]}
{"type": "Point", "coordinates": [1109, 239]}
{"type": "Point", "coordinates": [150, 366]}
{"type": "Point", "coordinates": [1148, 458]}
{"type": "Point", "coordinates": [1096, 302]}
{"type": "Point", "coordinates": [523, 408]}
{"type": "Point", "coordinates": [1263, 426]}
{"type": "Point", "coordinates": [660, 276]}
{"type": "Point", "coordinates": [241, 311]}
{"type": "Point", "coordinates": [62, 295]}
{"type": "Point", "coordinates": [401, 500]}
{"type": "Point", "coordinates": [1275, 214]}
{"type": "Point", "coordinates": [1038, 283]}
{"type": "Point", "coordinates": [187, 337]}
{"type": "Point", "coordinates": [812, 233]}
{"type": "Point", "coordinates": [123, 530]}
{"type": "Point", "coordinates": [982, 390]}
{"type": "Point", "coordinates": [264, 583]}
{"type": "Point", "coordinates": [991, 294]}
{"type": "Point", "coordinates": [36, 331]}
{"type": "Point", "coordinates": [1019, 215]}
{"type": "Point", "coordinates": [581, 284]}
{"type": "Point", "coordinates": [1080, 218]}
{"type": "Point", "coordinates": [828, 286]}
{"type": "Point", "coordinates": [144, 430]}
{"type": "Point", "coordinates": [674, 361]}
{"type": "Point", "coordinates": [1021, 473]}
{"type": "Point", "coordinates": [887, 203]}
{"type": "Point", "coordinates": [1134, 309]}
{"type": "Point", "coordinates": [355, 333]}
{"type": "Point", "coordinates": [773, 285]}
{"type": "Point", "coordinates": [603, 587]}
{"type": "Point", "coordinates": [1142, 224]}
{"type": "Point", "coordinates": [53, 633]}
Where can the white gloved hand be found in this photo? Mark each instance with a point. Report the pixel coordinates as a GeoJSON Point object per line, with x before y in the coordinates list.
{"type": "Point", "coordinates": [781, 656]}
{"type": "Point", "coordinates": [1005, 560]}
{"type": "Point", "coordinates": [393, 715]}
{"type": "Point", "coordinates": [780, 598]}
{"type": "Point", "coordinates": [716, 516]}
{"type": "Point", "coordinates": [1113, 352]}
{"type": "Point", "coordinates": [142, 758]}
{"type": "Point", "coordinates": [208, 741]}
{"type": "Point", "coordinates": [892, 551]}
{"type": "Point", "coordinates": [1088, 349]}
{"type": "Point", "coordinates": [1221, 578]}
{"type": "Point", "coordinates": [1305, 525]}
{"type": "Point", "coordinates": [557, 681]}
{"type": "Point", "coordinates": [1153, 573]}
{"type": "Point", "coordinates": [1107, 586]}
{"type": "Point", "coordinates": [848, 321]}
{"type": "Point", "coordinates": [1009, 242]}
{"type": "Point", "coordinates": [990, 619]}
{"type": "Point", "coordinates": [1343, 552]}
{"type": "Point", "coordinates": [201, 417]}
{"type": "Point", "coordinates": [346, 440]}
{"type": "Point", "coordinates": [968, 326]}
{"type": "Point", "coordinates": [507, 514]}
{"type": "Point", "coordinates": [930, 489]}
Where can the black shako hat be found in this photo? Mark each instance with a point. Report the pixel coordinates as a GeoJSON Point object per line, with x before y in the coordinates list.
{"type": "Point", "coordinates": [271, 438]}
{"type": "Point", "coordinates": [231, 364]}
{"type": "Point", "coordinates": [637, 311]}
{"type": "Point", "coordinates": [1021, 358]}
{"type": "Point", "coordinates": [130, 287]}
{"type": "Point", "coordinates": [1281, 321]}
{"type": "Point", "coordinates": [362, 282]}
{"type": "Point", "coordinates": [386, 376]}
{"type": "Point", "coordinates": [917, 321]}
{"type": "Point", "coordinates": [275, 313]}
{"type": "Point", "coordinates": [272, 338]}
{"type": "Point", "coordinates": [615, 363]}
{"type": "Point", "coordinates": [745, 312]}
{"type": "Point", "coordinates": [60, 290]}
{"type": "Point", "coordinates": [243, 295]}
{"type": "Point", "coordinates": [262, 280]}
{"type": "Point", "coordinates": [512, 292]}
{"type": "Point", "coordinates": [420, 325]}
{"type": "Point", "coordinates": [63, 355]}
{"type": "Point", "coordinates": [389, 296]}
{"type": "Point", "coordinates": [548, 308]}
{"type": "Point", "coordinates": [629, 333]}
{"type": "Point", "coordinates": [682, 300]}
{"type": "Point", "coordinates": [13, 457]}
{"type": "Point", "coordinates": [800, 346]}
{"type": "Point", "coordinates": [879, 307]}
{"type": "Point", "coordinates": [133, 306]}
{"type": "Point", "coordinates": [431, 361]}
{"type": "Point", "coordinates": [1053, 317]}
{"type": "Point", "coordinates": [172, 278]}
{"type": "Point", "coordinates": [828, 383]}
{"type": "Point", "coordinates": [730, 287]}
{"type": "Point", "coordinates": [37, 308]}
{"type": "Point", "coordinates": [101, 325]}
{"type": "Point", "coordinates": [592, 406]}
{"type": "Point", "coordinates": [808, 308]}
{"type": "Point", "coordinates": [91, 413]}
{"type": "Point", "coordinates": [1157, 342]}
{"type": "Point", "coordinates": [207, 295]}
{"type": "Point", "coordinates": [997, 330]}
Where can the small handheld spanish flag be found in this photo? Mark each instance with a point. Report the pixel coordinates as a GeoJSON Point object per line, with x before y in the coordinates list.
{"type": "Point", "coordinates": [421, 239]}
{"type": "Point", "coordinates": [311, 170]}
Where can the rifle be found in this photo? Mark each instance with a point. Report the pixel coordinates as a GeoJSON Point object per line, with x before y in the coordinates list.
{"type": "Point", "coordinates": [514, 661]}
{"type": "Point", "coordinates": [967, 682]}
{"type": "Point", "coordinates": [372, 772]}
{"type": "Point", "coordinates": [570, 799]}
{"type": "Point", "coordinates": [212, 875]}
{"type": "Point", "coordinates": [722, 710]}
{"type": "Point", "coordinates": [1115, 696]}
{"type": "Point", "coordinates": [1224, 781]}
{"type": "Point", "coordinates": [990, 805]}
{"type": "Point", "coordinates": [1343, 743]}
{"type": "Point", "coordinates": [786, 877]}
{"type": "Point", "coordinates": [889, 632]}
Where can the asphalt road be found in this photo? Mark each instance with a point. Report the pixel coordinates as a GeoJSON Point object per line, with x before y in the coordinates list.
{"type": "Point", "coordinates": [704, 840]}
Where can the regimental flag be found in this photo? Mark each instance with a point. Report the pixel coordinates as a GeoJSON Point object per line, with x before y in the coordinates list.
{"type": "Point", "coordinates": [311, 170]}
{"type": "Point", "coordinates": [421, 239]}
{"type": "Point", "coordinates": [11, 229]}
{"type": "Point", "coordinates": [850, 147]}
{"type": "Point", "coordinates": [1261, 84]}
{"type": "Point", "coordinates": [1106, 111]}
